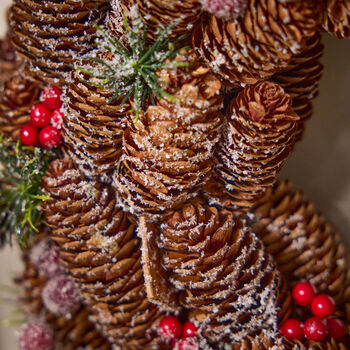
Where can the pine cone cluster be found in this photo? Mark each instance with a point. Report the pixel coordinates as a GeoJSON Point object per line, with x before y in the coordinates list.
{"type": "Point", "coordinates": [168, 153]}
{"type": "Point", "coordinates": [19, 93]}
{"type": "Point", "coordinates": [102, 253]}
{"type": "Point", "coordinates": [336, 18]}
{"type": "Point", "coordinates": [257, 138]}
{"type": "Point", "coordinates": [93, 126]}
{"type": "Point", "coordinates": [244, 51]}
{"type": "Point", "coordinates": [222, 272]}
{"type": "Point", "coordinates": [49, 34]}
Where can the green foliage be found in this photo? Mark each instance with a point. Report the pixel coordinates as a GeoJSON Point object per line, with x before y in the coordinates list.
{"type": "Point", "coordinates": [21, 171]}
{"type": "Point", "coordinates": [131, 74]}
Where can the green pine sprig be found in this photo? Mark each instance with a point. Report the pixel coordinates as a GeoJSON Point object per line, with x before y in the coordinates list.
{"type": "Point", "coordinates": [131, 74]}
{"type": "Point", "coordinates": [21, 171]}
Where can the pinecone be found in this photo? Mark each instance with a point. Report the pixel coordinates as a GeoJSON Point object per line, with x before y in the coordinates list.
{"type": "Point", "coordinates": [258, 137]}
{"type": "Point", "coordinates": [93, 126]}
{"type": "Point", "coordinates": [102, 253]}
{"type": "Point", "coordinates": [244, 51]}
{"type": "Point", "coordinates": [158, 14]}
{"type": "Point", "coordinates": [168, 153]}
{"type": "Point", "coordinates": [223, 274]}
{"type": "Point", "coordinates": [301, 79]}
{"type": "Point", "coordinates": [50, 33]}
{"type": "Point", "coordinates": [9, 61]}
{"type": "Point", "coordinates": [336, 18]}
{"type": "Point", "coordinates": [303, 244]}
{"type": "Point", "coordinates": [72, 333]}
{"type": "Point", "coordinates": [19, 93]}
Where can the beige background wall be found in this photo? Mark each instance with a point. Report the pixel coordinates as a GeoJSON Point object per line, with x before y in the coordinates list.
{"type": "Point", "coordinates": [320, 164]}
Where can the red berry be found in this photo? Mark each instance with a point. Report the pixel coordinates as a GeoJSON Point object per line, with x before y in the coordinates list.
{"type": "Point", "coordinates": [315, 329]}
{"type": "Point", "coordinates": [303, 293]}
{"type": "Point", "coordinates": [189, 343]}
{"type": "Point", "coordinates": [50, 137]}
{"type": "Point", "coordinates": [323, 305]}
{"type": "Point", "coordinates": [190, 330]}
{"type": "Point", "coordinates": [292, 329]}
{"type": "Point", "coordinates": [51, 97]}
{"type": "Point", "coordinates": [36, 335]}
{"type": "Point", "coordinates": [29, 135]}
{"type": "Point", "coordinates": [170, 328]}
{"type": "Point", "coordinates": [57, 119]}
{"type": "Point", "coordinates": [225, 8]}
{"type": "Point", "coordinates": [40, 115]}
{"type": "Point", "coordinates": [336, 328]}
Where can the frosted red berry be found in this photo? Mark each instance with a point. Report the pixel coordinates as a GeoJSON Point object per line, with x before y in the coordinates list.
{"type": "Point", "coordinates": [50, 137]}
{"type": "Point", "coordinates": [46, 257]}
{"type": "Point", "coordinates": [51, 97]}
{"type": "Point", "coordinates": [61, 296]}
{"type": "Point", "coordinates": [292, 329]}
{"type": "Point", "coordinates": [315, 329]}
{"type": "Point", "coordinates": [336, 328]}
{"type": "Point", "coordinates": [40, 116]}
{"type": "Point", "coordinates": [170, 328]}
{"type": "Point", "coordinates": [189, 330]}
{"type": "Point", "coordinates": [225, 8]}
{"type": "Point", "coordinates": [29, 135]}
{"type": "Point", "coordinates": [189, 343]}
{"type": "Point", "coordinates": [323, 305]}
{"type": "Point", "coordinates": [57, 119]}
{"type": "Point", "coordinates": [303, 293]}
{"type": "Point", "coordinates": [36, 335]}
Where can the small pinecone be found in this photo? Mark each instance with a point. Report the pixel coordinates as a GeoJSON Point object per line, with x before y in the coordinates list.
{"type": "Point", "coordinates": [336, 18]}
{"type": "Point", "coordinates": [50, 33]}
{"type": "Point", "coordinates": [303, 244]}
{"type": "Point", "coordinates": [18, 95]}
{"type": "Point", "coordinates": [258, 137]}
{"type": "Point", "coordinates": [244, 51]}
{"type": "Point", "coordinates": [73, 333]}
{"type": "Point", "coordinates": [301, 79]}
{"type": "Point", "coordinates": [223, 273]}
{"type": "Point", "coordinates": [93, 126]}
{"type": "Point", "coordinates": [102, 253]}
{"type": "Point", "coordinates": [168, 153]}
{"type": "Point", "coordinates": [158, 14]}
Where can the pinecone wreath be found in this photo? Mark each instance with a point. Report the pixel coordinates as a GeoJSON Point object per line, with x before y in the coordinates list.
{"type": "Point", "coordinates": [140, 147]}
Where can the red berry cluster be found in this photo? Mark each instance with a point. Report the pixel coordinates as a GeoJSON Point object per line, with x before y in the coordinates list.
{"type": "Point", "coordinates": [182, 337]}
{"type": "Point", "coordinates": [321, 325]}
{"type": "Point", "coordinates": [45, 121]}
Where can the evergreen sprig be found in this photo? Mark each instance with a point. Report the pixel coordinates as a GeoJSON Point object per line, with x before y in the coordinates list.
{"type": "Point", "coordinates": [21, 171]}
{"type": "Point", "coordinates": [131, 74]}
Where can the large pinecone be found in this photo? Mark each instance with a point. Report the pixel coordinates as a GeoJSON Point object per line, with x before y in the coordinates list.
{"type": "Point", "coordinates": [50, 33]}
{"type": "Point", "coordinates": [301, 79]}
{"type": "Point", "coordinates": [168, 153]}
{"type": "Point", "coordinates": [223, 273]}
{"type": "Point", "coordinates": [244, 51]}
{"type": "Point", "coordinates": [102, 253]}
{"type": "Point", "coordinates": [93, 126]}
{"type": "Point", "coordinates": [72, 333]}
{"type": "Point", "coordinates": [18, 94]}
{"type": "Point", "coordinates": [336, 18]}
{"type": "Point", "coordinates": [258, 137]}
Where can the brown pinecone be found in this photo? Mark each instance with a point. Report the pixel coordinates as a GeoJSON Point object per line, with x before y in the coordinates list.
{"type": "Point", "coordinates": [102, 253]}
{"type": "Point", "coordinates": [50, 33]}
{"type": "Point", "coordinates": [157, 14]}
{"type": "Point", "coordinates": [244, 51]}
{"type": "Point", "coordinates": [223, 274]}
{"type": "Point", "coordinates": [258, 137]}
{"type": "Point", "coordinates": [168, 153]}
{"type": "Point", "coordinates": [72, 333]}
{"type": "Point", "coordinates": [9, 61]}
{"type": "Point", "coordinates": [19, 93]}
{"type": "Point", "coordinates": [301, 79]}
{"type": "Point", "coordinates": [336, 18]}
{"type": "Point", "coordinates": [93, 126]}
